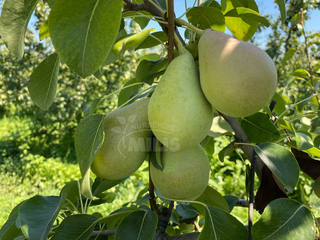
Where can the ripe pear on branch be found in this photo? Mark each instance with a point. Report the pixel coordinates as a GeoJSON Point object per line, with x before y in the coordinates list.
{"type": "Point", "coordinates": [185, 174]}
{"type": "Point", "coordinates": [125, 146]}
{"type": "Point", "coordinates": [237, 77]}
{"type": "Point", "coordinates": [179, 113]}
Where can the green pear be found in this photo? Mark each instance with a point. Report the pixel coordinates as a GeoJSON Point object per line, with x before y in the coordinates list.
{"type": "Point", "coordinates": [185, 174]}
{"type": "Point", "coordinates": [179, 114]}
{"type": "Point", "coordinates": [237, 78]}
{"type": "Point", "coordinates": [127, 135]}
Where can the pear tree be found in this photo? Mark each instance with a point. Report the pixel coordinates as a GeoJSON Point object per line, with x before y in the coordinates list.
{"type": "Point", "coordinates": [212, 82]}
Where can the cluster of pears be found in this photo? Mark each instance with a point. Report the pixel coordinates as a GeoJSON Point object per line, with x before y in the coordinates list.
{"type": "Point", "coordinates": [236, 78]}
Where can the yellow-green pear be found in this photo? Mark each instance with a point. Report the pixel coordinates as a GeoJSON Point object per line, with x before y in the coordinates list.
{"type": "Point", "coordinates": [127, 135]}
{"type": "Point", "coordinates": [237, 77]}
{"type": "Point", "coordinates": [179, 114]}
{"type": "Point", "coordinates": [185, 174]}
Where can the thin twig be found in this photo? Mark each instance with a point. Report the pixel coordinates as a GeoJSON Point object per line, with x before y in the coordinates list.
{"type": "Point", "coordinates": [103, 233]}
{"type": "Point", "coordinates": [171, 27]}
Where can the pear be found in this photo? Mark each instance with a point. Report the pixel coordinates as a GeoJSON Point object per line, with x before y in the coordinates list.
{"type": "Point", "coordinates": [237, 78]}
{"type": "Point", "coordinates": [125, 146]}
{"type": "Point", "coordinates": [179, 114]}
{"type": "Point", "coordinates": [185, 174]}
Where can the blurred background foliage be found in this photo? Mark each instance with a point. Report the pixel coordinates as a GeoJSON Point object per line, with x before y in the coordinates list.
{"type": "Point", "coordinates": [37, 154]}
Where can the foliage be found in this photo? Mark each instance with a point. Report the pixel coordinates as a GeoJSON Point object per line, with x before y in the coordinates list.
{"type": "Point", "coordinates": [89, 41]}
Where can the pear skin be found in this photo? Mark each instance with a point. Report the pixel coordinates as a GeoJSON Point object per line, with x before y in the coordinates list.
{"type": "Point", "coordinates": [125, 146]}
{"type": "Point", "coordinates": [185, 174]}
{"type": "Point", "coordinates": [237, 77]}
{"type": "Point", "coordinates": [179, 114]}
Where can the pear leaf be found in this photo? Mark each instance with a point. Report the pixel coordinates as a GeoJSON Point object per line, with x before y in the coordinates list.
{"type": "Point", "coordinates": [37, 216]}
{"type": "Point", "coordinates": [43, 82]}
{"type": "Point", "coordinates": [79, 226]}
{"type": "Point", "coordinates": [126, 93]}
{"type": "Point", "coordinates": [220, 224]}
{"type": "Point", "coordinates": [283, 219]}
{"type": "Point", "coordinates": [304, 142]}
{"type": "Point", "coordinates": [83, 32]}
{"type": "Point", "coordinates": [139, 225]}
{"type": "Point", "coordinates": [206, 17]}
{"type": "Point", "coordinates": [44, 31]}
{"type": "Point", "coordinates": [152, 40]}
{"type": "Point", "coordinates": [211, 197]}
{"type": "Point", "coordinates": [148, 70]}
{"type": "Point", "coordinates": [219, 126]}
{"type": "Point", "coordinates": [131, 42]}
{"type": "Point", "coordinates": [282, 7]}
{"type": "Point", "coordinates": [280, 106]}
{"type": "Point", "coordinates": [15, 16]}
{"type": "Point", "coordinates": [259, 128]}
{"type": "Point", "coordinates": [247, 13]}
{"type": "Point", "coordinates": [9, 230]}
{"type": "Point", "coordinates": [241, 27]}
{"type": "Point", "coordinates": [281, 162]}
{"type": "Point", "coordinates": [88, 140]}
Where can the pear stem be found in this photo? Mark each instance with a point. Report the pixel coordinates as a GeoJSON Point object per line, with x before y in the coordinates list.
{"type": "Point", "coordinates": [190, 26]}
{"type": "Point", "coordinates": [181, 48]}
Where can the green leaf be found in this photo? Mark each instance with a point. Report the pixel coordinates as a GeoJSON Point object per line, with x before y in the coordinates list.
{"type": "Point", "coordinates": [313, 151]}
{"type": "Point", "coordinates": [142, 21]}
{"type": "Point", "coordinates": [131, 42]}
{"type": "Point", "coordinates": [186, 210]}
{"type": "Point", "coordinates": [78, 227]}
{"type": "Point", "coordinates": [44, 31]}
{"type": "Point", "coordinates": [91, 108]}
{"type": "Point", "coordinates": [288, 55]}
{"type": "Point", "coordinates": [88, 140]}
{"type": "Point", "coordinates": [126, 94]}
{"type": "Point", "coordinates": [139, 225]}
{"type": "Point", "coordinates": [43, 82]}
{"type": "Point", "coordinates": [242, 28]}
{"type": "Point", "coordinates": [231, 200]}
{"type": "Point", "coordinates": [259, 128]}
{"type": "Point", "coordinates": [209, 147]}
{"type": "Point", "coordinates": [83, 32]}
{"type": "Point", "coordinates": [210, 3]}
{"type": "Point", "coordinates": [227, 150]}
{"type": "Point", "coordinates": [148, 70]}
{"type": "Point", "coordinates": [285, 124]}
{"type": "Point", "coordinates": [219, 126]}
{"type": "Point", "coordinates": [316, 189]}
{"type": "Point", "coordinates": [219, 224]}
{"type": "Point", "coordinates": [51, 3]}
{"type": "Point", "coordinates": [37, 215]}
{"type": "Point", "coordinates": [304, 142]}
{"type": "Point", "coordinates": [15, 16]}
{"type": "Point", "coordinates": [281, 162]}
{"type": "Point", "coordinates": [301, 73]}
{"type": "Point", "coordinates": [106, 185]}
{"type": "Point", "coordinates": [206, 17]}
{"type": "Point", "coordinates": [9, 230]}
{"type": "Point", "coordinates": [285, 219]}
{"type": "Point", "coordinates": [72, 190]}
{"type": "Point", "coordinates": [116, 217]}
{"type": "Point", "coordinates": [280, 106]}
{"type": "Point", "coordinates": [247, 13]}
{"type": "Point", "coordinates": [151, 40]}
{"type": "Point", "coordinates": [211, 197]}
{"type": "Point", "coordinates": [282, 8]}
